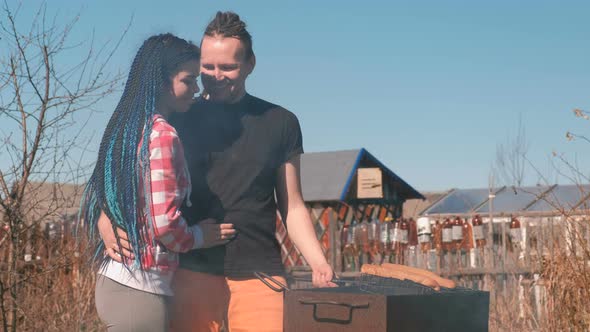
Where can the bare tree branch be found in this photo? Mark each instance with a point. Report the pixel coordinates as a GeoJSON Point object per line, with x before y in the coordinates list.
{"type": "Point", "coordinates": [21, 50]}
{"type": "Point", "coordinates": [510, 163]}
{"type": "Point", "coordinates": [41, 99]}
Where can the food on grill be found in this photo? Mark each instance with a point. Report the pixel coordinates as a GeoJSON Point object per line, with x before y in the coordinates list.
{"type": "Point", "coordinates": [412, 270]}
{"type": "Point", "coordinates": [399, 274]}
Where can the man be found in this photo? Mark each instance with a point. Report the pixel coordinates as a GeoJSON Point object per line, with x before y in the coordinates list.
{"type": "Point", "coordinates": [241, 152]}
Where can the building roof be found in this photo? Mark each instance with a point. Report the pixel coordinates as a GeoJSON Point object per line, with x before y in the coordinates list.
{"type": "Point", "coordinates": [329, 176]}
{"type": "Point", "coordinates": [512, 200]}
{"type": "Point", "coordinates": [413, 207]}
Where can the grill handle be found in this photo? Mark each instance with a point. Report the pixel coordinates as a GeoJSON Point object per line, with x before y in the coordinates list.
{"type": "Point", "coordinates": [350, 306]}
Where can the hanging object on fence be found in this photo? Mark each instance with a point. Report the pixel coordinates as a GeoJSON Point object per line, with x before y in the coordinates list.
{"type": "Point", "coordinates": [350, 251]}
{"type": "Point", "coordinates": [385, 238]}
{"type": "Point", "coordinates": [404, 232]}
{"type": "Point", "coordinates": [363, 236]}
{"type": "Point", "coordinates": [375, 254]}
{"type": "Point", "coordinates": [447, 234]}
{"type": "Point", "coordinates": [457, 233]}
{"type": "Point", "coordinates": [424, 233]}
{"type": "Point", "coordinates": [437, 236]}
{"type": "Point", "coordinates": [515, 231]}
{"type": "Point", "coordinates": [412, 232]}
{"type": "Point", "coordinates": [467, 243]}
{"type": "Point", "coordinates": [396, 237]}
{"type": "Point", "coordinates": [478, 232]}
{"type": "Point", "coordinates": [404, 240]}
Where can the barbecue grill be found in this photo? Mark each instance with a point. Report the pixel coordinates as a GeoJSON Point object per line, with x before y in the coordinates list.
{"type": "Point", "coordinates": [373, 303]}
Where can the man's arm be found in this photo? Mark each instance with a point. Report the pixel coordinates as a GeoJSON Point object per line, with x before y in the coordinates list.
{"type": "Point", "coordinates": [299, 225]}
{"type": "Point", "coordinates": [214, 234]}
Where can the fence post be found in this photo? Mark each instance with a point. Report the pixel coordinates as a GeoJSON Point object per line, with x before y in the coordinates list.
{"type": "Point", "coordinates": [334, 240]}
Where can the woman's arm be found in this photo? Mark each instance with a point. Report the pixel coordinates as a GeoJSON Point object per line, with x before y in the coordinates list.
{"type": "Point", "coordinates": [170, 228]}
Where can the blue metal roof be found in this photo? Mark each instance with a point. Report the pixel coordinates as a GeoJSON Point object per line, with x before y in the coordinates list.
{"type": "Point", "coordinates": [328, 176]}
{"type": "Point", "coordinates": [458, 201]}
{"type": "Point", "coordinates": [567, 197]}
{"type": "Point", "coordinates": [513, 200]}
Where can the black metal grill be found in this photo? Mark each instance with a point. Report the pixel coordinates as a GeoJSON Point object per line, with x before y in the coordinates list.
{"type": "Point", "coordinates": [373, 303]}
{"type": "Point", "coordinates": [390, 286]}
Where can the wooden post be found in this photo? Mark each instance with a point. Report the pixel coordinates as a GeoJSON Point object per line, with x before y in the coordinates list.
{"type": "Point", "coordinates": [504, 276]}
{"type": "Point", "coordinates": [490, 236]}
{"type": "Point", "coordinates": [551, 238]}
{"type": "Point", "coordinates": [488, 253]}
{"type": "Point", "coordinates": [524, 250]}
{"type": "Point", "coordinates": [335, 244]}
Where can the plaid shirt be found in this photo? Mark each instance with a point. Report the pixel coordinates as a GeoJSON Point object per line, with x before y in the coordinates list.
{"type": "Point", "coordinates": [170, 186]}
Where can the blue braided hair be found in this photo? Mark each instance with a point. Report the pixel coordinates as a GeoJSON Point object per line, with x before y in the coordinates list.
{"type": "Point", "coordinates": [122, 171]}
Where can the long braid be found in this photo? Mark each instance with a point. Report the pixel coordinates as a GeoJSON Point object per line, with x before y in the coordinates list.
{"type": "Point", "coordinates": [122, 172]}
{"type": "Point", "coordinates": [95, 195]}
{"type": "Point", "coordinates": [144, 150]}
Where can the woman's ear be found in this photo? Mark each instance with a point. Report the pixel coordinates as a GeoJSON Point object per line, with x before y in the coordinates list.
{"type": "Point", "coordinates": [167, 86]}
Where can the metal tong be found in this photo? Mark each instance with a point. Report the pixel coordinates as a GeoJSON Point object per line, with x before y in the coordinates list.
{"type": "Point", "coordinates": [278, 286]}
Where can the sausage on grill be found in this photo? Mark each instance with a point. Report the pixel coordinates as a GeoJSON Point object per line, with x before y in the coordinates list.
{"type": "Point", "coordinates": [412, 270]}
{"type": "Point", "coordinates": [399, 274]}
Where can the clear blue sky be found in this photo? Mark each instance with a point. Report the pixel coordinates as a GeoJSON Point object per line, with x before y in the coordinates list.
{"type": "Point", "coordinates": [429, 87]}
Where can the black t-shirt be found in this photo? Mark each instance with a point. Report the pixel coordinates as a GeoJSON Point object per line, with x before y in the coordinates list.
{"type": "Point", "coordinates": [233, 153]}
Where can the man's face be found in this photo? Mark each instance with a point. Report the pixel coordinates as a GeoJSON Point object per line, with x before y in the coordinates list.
{"type": "Point", "coordinates": [224, 68]}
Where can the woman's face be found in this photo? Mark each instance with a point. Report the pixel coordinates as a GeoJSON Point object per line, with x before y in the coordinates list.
{"type": "Point", "coordinates": [183, 87]}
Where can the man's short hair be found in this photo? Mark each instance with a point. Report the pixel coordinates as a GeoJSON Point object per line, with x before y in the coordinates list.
{"type": "Point", "coordinates": [229, 24]}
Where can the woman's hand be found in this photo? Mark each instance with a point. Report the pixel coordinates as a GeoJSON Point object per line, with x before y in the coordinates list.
{"type": "Point", "coordinates": [215, 234]}
{"type": "Point", "coordinates": [105, 229]}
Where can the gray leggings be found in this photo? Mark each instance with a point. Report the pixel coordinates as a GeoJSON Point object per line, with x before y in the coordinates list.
{"type": "Point", "coordinates": [127, 309]}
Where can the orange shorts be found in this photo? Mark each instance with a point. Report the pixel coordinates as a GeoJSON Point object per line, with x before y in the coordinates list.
{"type": "Point", "coordinates": [204, 302]}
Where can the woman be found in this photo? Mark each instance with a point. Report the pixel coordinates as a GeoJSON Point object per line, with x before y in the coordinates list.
{"type": "Point", "coordinates": [140, 182]}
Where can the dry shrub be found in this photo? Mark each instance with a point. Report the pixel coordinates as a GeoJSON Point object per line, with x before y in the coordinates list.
{"type": "Point", "coordinates": [567, 276]}
{"type": "Point", "coordinates": [514, 309]}
{"type": "Point", "coordinates": [559, 300]}
{"type": "Point", "coordinates": [57, 292]}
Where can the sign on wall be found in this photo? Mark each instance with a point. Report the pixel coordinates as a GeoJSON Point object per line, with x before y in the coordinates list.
{"type": "Point", "coordinates": [369, 183]}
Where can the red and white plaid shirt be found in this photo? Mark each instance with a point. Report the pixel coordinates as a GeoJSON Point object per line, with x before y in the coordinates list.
{"type": "Point", "coordinates": [170, 186]}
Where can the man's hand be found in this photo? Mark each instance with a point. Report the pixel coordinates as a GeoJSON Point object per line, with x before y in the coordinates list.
{"type": "Point", "coordinates": [105, 229]}
{"type": "Point", "coordinates": [322, 276]}
{"type": "Point", "coordinates": [213, 235]}
{"type": "Point", "coordinates": [216, 234]}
